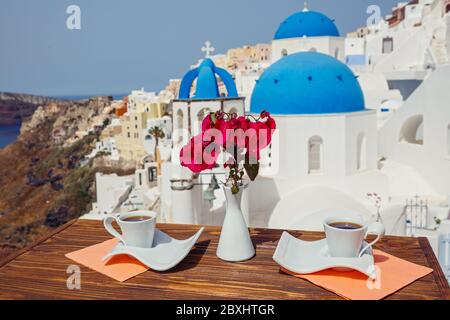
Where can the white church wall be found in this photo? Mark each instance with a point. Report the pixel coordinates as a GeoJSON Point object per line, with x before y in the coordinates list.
{"type": "Point", "coordinates": [326, 45]}
{"type": "Point", "coordinates": [245, 84]}
{"type": "Point", "coordinates": [199, 110]}
{"type": "Point", "coordinates": [234, 106]}
{"type": "Point", "coordinates": [306, 207]}
{"type": "Point", "coordinates": [336, 48]}
{"type": "Point", "coordinates": [180, 121]}
{"type": "Point", "coordinates": [431, 159]}
{"type": "Point", "coordinates": [296, 132]}
{"type": "Point", "coordinates": [339, 133]}
{"type": "Point", "coordinates": [361, 142]}
{"type": "Point", "coordinates": [165, 191]}
{"type": "Point", "coordinates": [183, 209]}
{"type": "Point", "coordinates": [190, 114]}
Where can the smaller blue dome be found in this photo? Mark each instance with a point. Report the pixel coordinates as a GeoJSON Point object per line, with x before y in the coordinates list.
{"type": "Point", "coordinates": [307, 83]}
{"type": "Point", "coordinates": [306, 24]}
{"type": "Point", "coordinates": [206, 86]}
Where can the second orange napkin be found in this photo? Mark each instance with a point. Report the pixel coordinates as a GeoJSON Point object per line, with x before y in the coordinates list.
{"type": "Point", "coordinates": [393, 275]}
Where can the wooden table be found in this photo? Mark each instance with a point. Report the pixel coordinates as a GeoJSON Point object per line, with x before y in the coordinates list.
{"type": "Point", "coordinates": [39, 272]}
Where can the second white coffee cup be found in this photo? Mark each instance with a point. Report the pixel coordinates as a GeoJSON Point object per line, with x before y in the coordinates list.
{"type": "Point", "coordinates": [138, 228]}
{"type": "Point", "coordinates": [347, 242]}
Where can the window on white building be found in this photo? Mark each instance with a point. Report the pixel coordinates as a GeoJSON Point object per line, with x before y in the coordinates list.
{"type": "Point", "coordinates": [313, 50]}
{"type": "Point", "coordinates": [412, 130]}
{"type": "Point", "coordinates": [284, 53]}
{"type": "Point", "coordinates": [388, 45]}
{"type": "Point", "coordinates": [315, 155]}
{"type": "Point", "coordinates": [361, 152]}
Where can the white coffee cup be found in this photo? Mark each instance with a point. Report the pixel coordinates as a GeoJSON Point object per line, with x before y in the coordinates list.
{"type": "Point", "coordinates": [347, 243]}
{"type": "Point", "coordinates": [138, 233]}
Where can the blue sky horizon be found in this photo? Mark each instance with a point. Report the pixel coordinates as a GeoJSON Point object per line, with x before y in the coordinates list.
{"type": "Point", "coordinates": [125, 45]}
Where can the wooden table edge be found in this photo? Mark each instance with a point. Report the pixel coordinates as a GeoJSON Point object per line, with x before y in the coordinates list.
{"type": "Point", "coordinates": [438, 274]}
{"type": "Point", "coordinates": [424, 243]}
{"type": "Point", "coordinates": [20, 252]}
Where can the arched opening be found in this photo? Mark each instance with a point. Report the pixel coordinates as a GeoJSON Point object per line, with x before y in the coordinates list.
{"type": "Point", "coordinates": [412, 130]}
{"type": "Point", "coordinates": [447, 8]}
{"type": "Point", "coordinates": [448, 140]}
{"type": "Point", "coordinates": [315, 155]}
{"type": "Point", "coordinates": [361, 161]}
{"type": "Point", "coordinates": [180, 119]}
{"type": "Point", "coordinates": [200, 117]}
{"type": "Point", "coordinates": [233, 110]}
{"type": "Point", "coordinates": [313, 50]}
{"type": "Point", "coordinates": [179, 126]}
{"type": "Point", "coordinates": [284, 53]}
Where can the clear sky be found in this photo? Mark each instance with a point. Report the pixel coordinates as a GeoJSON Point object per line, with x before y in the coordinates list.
{"type": "Point", "coordinates": [129, 44]}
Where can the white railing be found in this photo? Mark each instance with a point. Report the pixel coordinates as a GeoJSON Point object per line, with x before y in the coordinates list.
{"type": "Point", "coordinates": [416, 211]}
{"type": "Point", "coordinates": [444, 254]}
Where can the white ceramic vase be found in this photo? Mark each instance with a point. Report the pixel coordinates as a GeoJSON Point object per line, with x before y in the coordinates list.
{"type": "Point", "coordinates": [235, 244]}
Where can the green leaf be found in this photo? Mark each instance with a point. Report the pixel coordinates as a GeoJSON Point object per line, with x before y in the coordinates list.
{"type": "Point", "coordinates": [235, 189]}
{"type": "Point", "coordinates": [252, 170]}
{"type": "Point", "coordinates": [213, 118]}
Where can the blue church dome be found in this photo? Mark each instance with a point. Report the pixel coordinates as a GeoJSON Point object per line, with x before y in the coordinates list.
{"type": "Point", "coordinates": [206, 86]}
{"type": "Point", "coordinates": [307, 24]}
{"type": "Point", "coordinates": [307, 83]}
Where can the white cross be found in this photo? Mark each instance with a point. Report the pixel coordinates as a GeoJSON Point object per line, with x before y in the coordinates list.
{"type": "Point", "coordinates": [305, 6]}
{"type": "Point", "coordinates": [208, 49]}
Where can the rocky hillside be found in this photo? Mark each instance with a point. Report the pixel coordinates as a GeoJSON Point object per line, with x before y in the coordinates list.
{"type": "Point", "coordinates": [15, 107]}
{"type": "Point", "coordinates": [44, 181]}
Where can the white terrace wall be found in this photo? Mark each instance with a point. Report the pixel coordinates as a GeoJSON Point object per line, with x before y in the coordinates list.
{"type": "Point", "coordinates": [431, 158]}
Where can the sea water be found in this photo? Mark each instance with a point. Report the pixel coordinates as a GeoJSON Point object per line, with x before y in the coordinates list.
{"type": "Point", "coordinates": [8, 134]}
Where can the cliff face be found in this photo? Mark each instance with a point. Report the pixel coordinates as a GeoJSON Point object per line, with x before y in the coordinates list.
{"type": "Point", "coordinates": [44, 181]}
{"type": "Point", "coordinates": [15, 107]}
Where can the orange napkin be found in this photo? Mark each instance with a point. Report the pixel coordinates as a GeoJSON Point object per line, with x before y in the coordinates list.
{"type": "Point", "coordinates": [120, 268]}
{"type": "Point", "coordinates": [393, 275]}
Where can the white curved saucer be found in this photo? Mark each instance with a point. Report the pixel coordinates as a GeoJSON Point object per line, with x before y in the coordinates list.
{"type": "Point", "coordinates": [305, 257]}
{"type": "Point", "coordinates": [165, 254]}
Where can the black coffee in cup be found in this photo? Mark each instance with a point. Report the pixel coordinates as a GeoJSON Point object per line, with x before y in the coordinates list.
{"type": "Point", "coordinates": [345, 225]}
{"type": "Point", "coordinates": [136, 218]}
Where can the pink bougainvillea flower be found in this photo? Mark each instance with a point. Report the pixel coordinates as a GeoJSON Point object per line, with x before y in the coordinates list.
{"type": "Point", "coordinates": [264, 132]}
{"type": "Point", "coordinates": [239, 136]}
{"type": "Point", "coordinates": [207, 123]}
{"type": "Point", "coordinates": [199, 155]}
